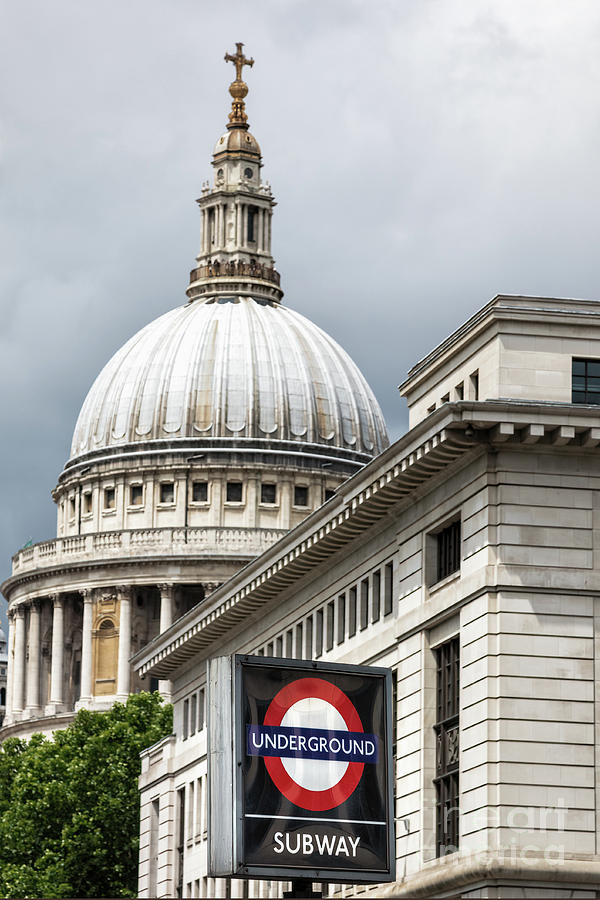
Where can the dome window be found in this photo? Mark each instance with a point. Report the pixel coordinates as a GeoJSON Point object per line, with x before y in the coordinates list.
{"type": "Point", "coordinates": [248, 173]}
{"type": "Point", "coordinates": [200, 491]}
{"type": "Point", "coordinates": [71, 507]}
{"type": "Point", "coordinates": [300, 495]}
{"type": "Point", "coordinates": [167, 492]}
{"type": "Point", "coordinates": [234, 491]}
{"type": "Point", "coordinates": [87, 503]}
{"type": "Point", "coordinates": [109, 498]}
{"type": "Point", "coordinates": [268, 493]}
{"type": "Point", "coordinates": [136, 494]}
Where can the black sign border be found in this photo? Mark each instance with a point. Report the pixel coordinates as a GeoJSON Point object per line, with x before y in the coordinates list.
{"type": "Point", "coordinates": [288, 873]}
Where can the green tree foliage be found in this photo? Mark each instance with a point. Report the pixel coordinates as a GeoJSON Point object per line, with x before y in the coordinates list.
{"type": "Point", "coordinates": [69, 806]}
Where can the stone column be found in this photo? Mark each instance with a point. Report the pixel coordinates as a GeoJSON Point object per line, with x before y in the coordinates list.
{"type": "Point", "coordinates": [167, 601]}
{"type": "Point", "coordinates": [123, 667]}
{"type": "Point", "coordinates": [33, 663]}
{"type": "Point", "coordinates": [18, 682]}
{"type": "Point", "coordinates": [10, 668]}
{"type": "Point", "coordinates": [167, 605]}
{"type": "Point", "coordinates": [86, 650]}
{"type": "Point", "coordinates": [203, 242]}
{"type": "Point", "coordinates": [58, 649]}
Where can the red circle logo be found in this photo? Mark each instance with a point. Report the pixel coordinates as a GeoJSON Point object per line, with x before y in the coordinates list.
{"type": "Point", "coordinates": [296, 779]}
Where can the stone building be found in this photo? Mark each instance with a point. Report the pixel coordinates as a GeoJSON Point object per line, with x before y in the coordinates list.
{"type": "Point", "coordinates": [208, 436]}
{"type": "Point", "coordinates": [466, 558]}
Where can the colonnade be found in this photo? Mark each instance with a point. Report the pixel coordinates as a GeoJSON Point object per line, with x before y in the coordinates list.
{"type": "Point", "coordinates": [24, 698]}
{"type": "Point", "coordinates": [239, 211]}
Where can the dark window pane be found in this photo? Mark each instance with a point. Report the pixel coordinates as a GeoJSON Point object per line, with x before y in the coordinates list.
{"type": "Point", "coordinates": [234, 491]}
{"type": "Point", "coordinates": [364, 603]}
{"type": "Point", "coordinates": [341, 621]}
{"type": "Point", "coordinates": [352, 612]}
{"type": "Point", "coordinates": [448, 550]}
{"type": "Point", "coordinates": [167, 492]}
{"type": "Point", "coordinates": [268, 493]}
{"type": "Point", "coordinates": [388, 601]}
{"type": "Point", "coordinates": [376, 599]}
{"type": "Point", "coordinates": [578, 367]}
{"type": "Point", "coordinates": [200, 491]}
{"type": "Point", "coordinates": [300, 495]}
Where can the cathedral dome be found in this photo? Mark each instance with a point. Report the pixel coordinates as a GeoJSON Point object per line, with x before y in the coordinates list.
{"type": "Point", "coordinates": [237, 141]}
{"type": "Point", "coordinates": [234, 368]}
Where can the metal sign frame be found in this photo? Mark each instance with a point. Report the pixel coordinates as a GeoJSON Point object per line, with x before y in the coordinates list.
{"type": "Point", "coordinates": [227, 779]}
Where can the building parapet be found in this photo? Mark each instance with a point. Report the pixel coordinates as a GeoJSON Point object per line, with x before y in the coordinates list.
{"type": "Point", "coordinates": [143, 542]}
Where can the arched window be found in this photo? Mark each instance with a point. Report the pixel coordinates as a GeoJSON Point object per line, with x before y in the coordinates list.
{"type": "Point", "coordinates": [106, 657]}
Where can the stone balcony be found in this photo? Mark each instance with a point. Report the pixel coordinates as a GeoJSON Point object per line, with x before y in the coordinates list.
{"type": "Point", "coordinates": [145, 542]}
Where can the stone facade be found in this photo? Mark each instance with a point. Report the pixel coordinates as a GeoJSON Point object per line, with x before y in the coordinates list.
{"type": "Point", "coordinates": [477, 532]}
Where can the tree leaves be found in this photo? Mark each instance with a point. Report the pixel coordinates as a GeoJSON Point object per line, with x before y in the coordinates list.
{"type": "Point", "coordinates": [69, 806]}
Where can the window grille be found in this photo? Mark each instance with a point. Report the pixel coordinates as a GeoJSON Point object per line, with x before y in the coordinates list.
{"type": "Point", "coordinates": [585, 381]}
{"type": "Point", "coordinates": [448, 550]}
{"type": "Point", "coordinates": [447, 746]}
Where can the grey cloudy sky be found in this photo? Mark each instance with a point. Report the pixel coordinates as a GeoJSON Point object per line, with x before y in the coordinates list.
{"type": "Point", "coordinates": [425, 154]}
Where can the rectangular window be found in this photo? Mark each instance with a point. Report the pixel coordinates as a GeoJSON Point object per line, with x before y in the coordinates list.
{"type": "Point", "coordinates": [199, 805]}
{"type": "Point", "coordinates": [251, 220]}
{"type": "Point", "coordinates": [395, 713]}
{"type": "Point", "coordinates": [185, 724]}
{"type": "Point", "coordinates": [388, 596]}
{"type": "Point", "coordinates": [167, 492]}
{"type": "Point", "coordinates": [190, 811]}
{"type": "Point", "coordinates": [268, 493]}
{"type": "Point", "coordinates": [201, 709]}
{"type": "Point", "coordinates": [270, 648]}
{"type": "Point", "coordinates": [319, 634]}
{"type": "Point", "coordinates": [341, 619]}
{"type": "Point", "coordinates": [364, 603]}
{"type": "Point", "coordinates": [109, 498]}
{"type": "Point", "coordinates": [446, 398]}
{"type": "Point", "coordinates": [308, 639]}
{"type": "Point", "coordinates": [199, 491]}
{"type": "Point", "coordinates": [474, 379]}
{"type": "Point", "coordinates": [234, 491]}
{"type": "Point", "coordinates": [448, 550]}
{"type": "Point", "coordinates": [352, 612]}
{"type": "Point", "coordinates": [447, 659]}
{"type": "Point", "coordinates": [299, 641]}
{"type": "Point", "coordinates": [72, 507]}
{"type": "Point", "coordinates": [585, 381]}
{"type": "Point", "coordinates": [180, 840]}
{"type": "Point", "coordinates": [154, 823]}
{"type": "Point", "coordinates": [136, 494]}
{"type": "Point", "coordinates": [279, 646]}
{"type": "Point", "coordinates": [300, 495]}
{"type": "Point", "coordinates": [330, 624]}
{"type": "Point", "coordinates": [87, 503]}
{"type": "Point", "coordinates": [329, 494]}
{"type": "Point", "coordinates": [193, 713]}
{"type": "Point", "coordinates": [459, 391]}
{"type": "Point", "coordinates": [289, 644]}
{"type": "Point", "coordinates": [376, 599]}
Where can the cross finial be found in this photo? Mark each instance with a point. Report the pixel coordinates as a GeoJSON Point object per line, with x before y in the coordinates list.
{"type": "Point", "coordinates": [239, 61]}
{"type": "Point", "coordinates": [238, 88]}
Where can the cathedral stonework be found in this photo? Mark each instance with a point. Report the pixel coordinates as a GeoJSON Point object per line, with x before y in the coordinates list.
{"type": "Point", "coordinates": [208, 436]}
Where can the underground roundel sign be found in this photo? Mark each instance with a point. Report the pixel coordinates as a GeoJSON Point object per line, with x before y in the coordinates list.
{"type": "Point", "coordinates": [314, 769]}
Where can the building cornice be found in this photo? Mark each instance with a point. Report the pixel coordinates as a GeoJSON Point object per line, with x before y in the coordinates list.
{"type": "Point", "coordinates": [505, 308]}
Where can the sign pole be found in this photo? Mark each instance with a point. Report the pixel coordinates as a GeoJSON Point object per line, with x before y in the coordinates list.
{"type": "Point", "coordinates": [302, 887]}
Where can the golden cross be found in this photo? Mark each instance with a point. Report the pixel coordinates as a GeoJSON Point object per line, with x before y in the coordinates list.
{"type": "Point", "coordinates": [239, 60]}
